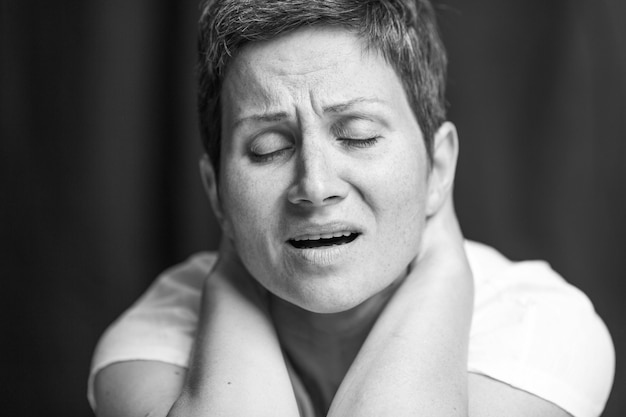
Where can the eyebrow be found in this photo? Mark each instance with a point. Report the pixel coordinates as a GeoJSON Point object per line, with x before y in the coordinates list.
{"type": "Point", "coordinates": [281, 115]}
{"type": "Point", "coordinates": [265, 117]}
{"type": "Point", "coordinates": [343, 107]}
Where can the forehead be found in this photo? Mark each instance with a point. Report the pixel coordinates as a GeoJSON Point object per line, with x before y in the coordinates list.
{"type": "Point", "coordinates": [320, 66]}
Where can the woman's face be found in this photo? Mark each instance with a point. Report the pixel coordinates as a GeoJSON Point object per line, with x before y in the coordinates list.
{"type": "Point", "coordinates": [324, 173]}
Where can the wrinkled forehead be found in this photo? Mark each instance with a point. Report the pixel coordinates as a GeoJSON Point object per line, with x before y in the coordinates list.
{"type": "Point", "coordinates": [322, 65]}
{"type": "Point", "coordinates": [321, 37]}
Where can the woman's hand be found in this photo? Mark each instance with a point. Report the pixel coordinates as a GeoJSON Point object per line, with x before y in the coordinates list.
{"type": "Point", "coordinates": [236, 368]}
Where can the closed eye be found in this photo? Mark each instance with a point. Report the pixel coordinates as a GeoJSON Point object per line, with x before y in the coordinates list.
{"type": "Point", "coordinates": [268, 157]}
{"type": "Point", "coordinates": [356, 132]}
{"type": "Point", "coordinates": [360, 142]}
{"type": "Point", "coordinates": [269, 146]}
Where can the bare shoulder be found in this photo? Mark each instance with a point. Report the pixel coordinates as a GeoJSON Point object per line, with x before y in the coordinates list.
{"type": "Point", "coordinates": [137, 388]}
{"type": "Point", "coordinates": [488, 397]}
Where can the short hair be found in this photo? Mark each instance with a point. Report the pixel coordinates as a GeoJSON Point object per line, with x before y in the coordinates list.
{"type": "Point", "coordinates": [404, 32]}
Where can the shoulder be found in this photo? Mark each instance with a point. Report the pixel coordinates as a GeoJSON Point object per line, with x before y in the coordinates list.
{"type": "Point", "coordinates": [536, 332]}
{"type": "Point", "coordinates": [161, 324]}
{"type": "Point", "coordinates": [172, 299]}
{"type": "Point", "coordinates": [171, 302]}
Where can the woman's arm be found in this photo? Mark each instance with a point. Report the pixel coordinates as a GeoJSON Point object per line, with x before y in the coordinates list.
{"type": "Point", "coordinates": [237, 367]}
{"type": "Point", "coordinates": [414, 362]}
{"type": "Point", "coordinates": [137, 388]}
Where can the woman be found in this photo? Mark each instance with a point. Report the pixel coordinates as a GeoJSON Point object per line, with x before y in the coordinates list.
{"type": "Point", "coordinates": [343, 286]}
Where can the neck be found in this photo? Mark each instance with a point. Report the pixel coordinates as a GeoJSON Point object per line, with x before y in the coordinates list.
{"type": "Point", "coordinates": [321, 347]}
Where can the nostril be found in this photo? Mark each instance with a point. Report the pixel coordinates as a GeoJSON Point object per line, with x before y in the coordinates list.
{"type": "Point", "coordinates": [310, 199]}
{"type": "Point", "coordinates": [317, 185]}
{"type": "Point", "coordinates": [314, 193]}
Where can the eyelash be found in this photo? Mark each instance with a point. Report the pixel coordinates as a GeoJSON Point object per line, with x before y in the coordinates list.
{"type": "Point", "coordinates": [360, 143]}
{"type": "Point", "coordinates": [268, 157]}
{"type": "Point", "coordinates": [348, 142]}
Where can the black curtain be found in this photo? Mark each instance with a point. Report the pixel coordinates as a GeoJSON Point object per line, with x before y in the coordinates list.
{"type": "Point", "coordinates": [99, 149]}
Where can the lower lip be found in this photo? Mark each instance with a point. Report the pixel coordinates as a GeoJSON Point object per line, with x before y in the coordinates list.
{"type": "Point", "coordinates": [323, 255]}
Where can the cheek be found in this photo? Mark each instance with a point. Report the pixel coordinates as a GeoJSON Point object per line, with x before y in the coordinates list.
{"type": "Point", "coordinates": [248, 204]}
{"type": "Point", "coordinates": [399, 206]}
{"type": "Point", "coordinates": [243, 203]}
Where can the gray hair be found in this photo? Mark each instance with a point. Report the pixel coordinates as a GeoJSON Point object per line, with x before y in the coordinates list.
{"type": "Point", "coordinates": [404, 32]}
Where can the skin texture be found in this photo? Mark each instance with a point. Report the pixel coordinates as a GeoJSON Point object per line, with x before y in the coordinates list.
{"type": "Point", "coordinates": [311, 110]}
{"type": "Point", "coordinates": [379, 328]}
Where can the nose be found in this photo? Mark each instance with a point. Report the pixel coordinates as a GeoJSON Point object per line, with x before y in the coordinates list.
{"type": "Point", "coordinates": [318, 181]}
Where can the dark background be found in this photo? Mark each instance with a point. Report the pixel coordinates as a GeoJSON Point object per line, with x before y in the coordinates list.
{"type": "Point", "coordinates": [99, 149]}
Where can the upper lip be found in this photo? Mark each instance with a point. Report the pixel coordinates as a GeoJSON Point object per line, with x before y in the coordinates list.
{"type": "Point", "coordinates": [315, 231]}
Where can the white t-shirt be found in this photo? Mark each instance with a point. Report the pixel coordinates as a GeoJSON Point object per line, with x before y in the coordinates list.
{"type": "Point", "coordinates": [530, 329]}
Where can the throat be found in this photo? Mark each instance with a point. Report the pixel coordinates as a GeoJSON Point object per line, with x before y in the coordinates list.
{"type": "Point", "coordinates": [315, 380]}
{"type": "Point", "coordinates": [321, 347]}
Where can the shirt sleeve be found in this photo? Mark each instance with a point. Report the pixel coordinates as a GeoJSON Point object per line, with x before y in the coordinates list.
{"type": "Point", "coordinates": [535, 332]}
{"type": "Point", "coordinates": [530, 330]}
{"type": "Point", "coordinates": [160, 325]}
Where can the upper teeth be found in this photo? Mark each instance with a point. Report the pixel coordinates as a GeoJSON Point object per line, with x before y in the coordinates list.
{"type": "Point", "coordinates": [323, 236]}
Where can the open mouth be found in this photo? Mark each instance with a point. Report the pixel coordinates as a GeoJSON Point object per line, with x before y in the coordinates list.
{"type": "Point", "coordinates": [319, 241]}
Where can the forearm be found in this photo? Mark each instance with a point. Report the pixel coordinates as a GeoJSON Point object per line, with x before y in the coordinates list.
{"type": "Point", "coordinates": [414, 362]}
{"type": "Point", "coordinates": [236, 368]}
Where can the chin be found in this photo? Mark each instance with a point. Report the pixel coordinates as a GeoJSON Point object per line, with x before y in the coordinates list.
{"type": "Point", "coordinates": [326, 302]}
{"type": "Point", "coordinates": [328, 308]}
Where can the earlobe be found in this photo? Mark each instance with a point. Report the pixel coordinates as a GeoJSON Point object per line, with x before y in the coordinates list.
{"type": "Point", "coordinates": [441, 179]}
{"type": "Point", "coordinates": [209, 180]}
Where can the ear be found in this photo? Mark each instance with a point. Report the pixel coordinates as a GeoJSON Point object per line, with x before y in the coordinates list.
{"type": "Point", "coordinates": [209, 180]}
{"type": "Point", "coordinates": [443, 169]}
